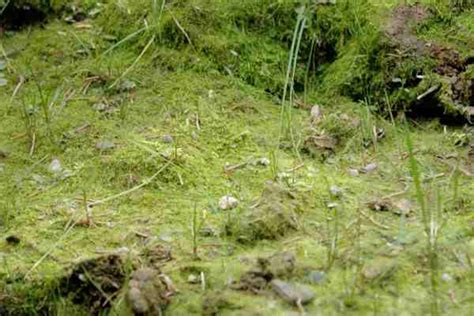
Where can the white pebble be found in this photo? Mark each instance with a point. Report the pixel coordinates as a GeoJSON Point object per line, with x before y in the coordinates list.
{"type": "Point", "coordinates": [228, 202]}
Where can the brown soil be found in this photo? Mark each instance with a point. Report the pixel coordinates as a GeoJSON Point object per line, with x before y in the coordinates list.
{"type": "Point", "coordinates": [402, 22]}
{"type": "Point", "coordinates": [400, 29]}
{"type": "Point", "coordinates": [94, 282]}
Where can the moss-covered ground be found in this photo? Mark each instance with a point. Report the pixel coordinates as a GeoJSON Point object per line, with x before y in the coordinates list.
{"type": "Point", "coordinates": [110, 145]}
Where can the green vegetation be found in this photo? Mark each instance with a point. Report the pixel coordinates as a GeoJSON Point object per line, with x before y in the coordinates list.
{"type": "Point", "coordinates": [124, 123]}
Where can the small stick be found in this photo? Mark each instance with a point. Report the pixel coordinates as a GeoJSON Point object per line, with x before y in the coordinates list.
{"type": "Point", "coordinates": [183, 31]}
{"type": "Point", "coordinates": [152, 39]}
{"type": "Point", "coordinates": [203, 281]}
{"type": "Point", "coordinates": [33, 144]}
{"type": "Point", "coordinates": [373, 221]}
{"type": "Point", "coordinates": [301, 165]}
{"type": "Point", "coordinates": [235, 167]}
{"type": "Point", "coordinates": [140, 234]}
{"type": "Point", "coordinates": [17, 87]}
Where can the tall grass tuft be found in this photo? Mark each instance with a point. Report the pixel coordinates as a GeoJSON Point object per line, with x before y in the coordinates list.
{"type": "Point", "coordinates": [431, 220]}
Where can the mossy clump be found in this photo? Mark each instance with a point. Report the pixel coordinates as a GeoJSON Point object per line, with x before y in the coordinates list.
{"type": "Point", "coordinates": [392, 67]}
{"type": "Point", "coordinates": [275, 215]}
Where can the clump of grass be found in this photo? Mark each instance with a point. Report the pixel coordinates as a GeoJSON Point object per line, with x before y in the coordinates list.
{"type": "Point", "coordinates": [431, 220]}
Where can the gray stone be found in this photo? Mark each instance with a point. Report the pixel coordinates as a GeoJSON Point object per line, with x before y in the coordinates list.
{"type": "Point", "coordinates": [55, 166]}
{"type": "Point", "coordinates": [228, 202]}
{"type": "Point", "coordinates": [369, 168]}
{"type": "Point", "coordinates": [167, 139]}
{"type": "Point", "coordinates": [335, 191]}
{"type": "Point", "coordinates": [105, 145]}
{"type": "Point", "coordinates": [292, 293]}
{"type": "Point", "coordinates": [317, 277]}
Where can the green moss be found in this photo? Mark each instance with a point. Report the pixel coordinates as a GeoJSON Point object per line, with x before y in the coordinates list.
{"type": "Point", "coordinates": [217, 119]}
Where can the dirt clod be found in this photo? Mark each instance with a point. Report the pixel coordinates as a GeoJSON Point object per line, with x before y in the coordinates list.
{"type": "Point", "coordinates": [94, 282]}
{"type": "Point", "coordinates": [257, 279]}
{"type": "Point", "coordinates": [149, 292]}
{"type": "Point", "coordinates": [275, 214]}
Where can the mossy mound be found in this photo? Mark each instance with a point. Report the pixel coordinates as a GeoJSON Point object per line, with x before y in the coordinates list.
{"type": "Point", "coordinates": [350, 48]}
{"type": "Point", "coordinates": [275, 214]}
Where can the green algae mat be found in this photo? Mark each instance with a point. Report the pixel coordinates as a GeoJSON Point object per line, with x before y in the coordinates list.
{"type": "Point", "coordinates": [230, 157]}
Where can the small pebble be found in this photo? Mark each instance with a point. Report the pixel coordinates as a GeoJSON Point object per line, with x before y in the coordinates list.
{"type": "Point", "coordinates": [263, 162]}
{"type": "Point", "coordinates": [353, 172]}
{"type": "Point", "coordinates": [104, 145]}
{"type": "Point", "coordinates": [55, 166]}
{"type": "Point", "coordinates": [193, 279]}
{"type": "Point", "coordinates": [291, 293]}
{"type": "Point", "coordinates": [228, 202]}
{"type": "Point", "coordinates": [369, 168]}
{"type": "Point", "coordinates": [331, 205]}
{"type": "Point", "coordinates": [335, 191]}
{"type": "Point", "coordinates": [446, 277]}
{"type": "Point", "coordinates": [167, 139]}
{"type": "Point", "coordinates": [317, 277]}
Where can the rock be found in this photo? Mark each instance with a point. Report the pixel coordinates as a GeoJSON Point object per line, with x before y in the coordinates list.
{"type": "Point", "coordinates": [263, 161]}
{"type": "Point", "coordinates": [369, 168]}
{"type": "Point", "coordinates": [167, 139]}
{"type": "Point", "coordinates": [228, 202]}
{"type": "Point", "coordinates": [194, 279]}
{"type": "Point", "coordinates": [353, 172]}
{"type": "Point", "coordinates": [332, 205]}
{"type": "Point", "coordinates": [335, 191]}
{"type": "Point", "coordinates": [55, 166]}
{"type": "Point", "coordinates": [292, 293]}
{"type": "Point", "coordinates": [446, 277]}
{"type": "Point", "coordinates": [316, 277]}
{"type": "Point", "coordinates": [104, 145]}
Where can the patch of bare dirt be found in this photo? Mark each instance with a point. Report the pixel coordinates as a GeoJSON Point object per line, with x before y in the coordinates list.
{"type": "Point", "coordinates": [402, 22]}
{"type": "Point", "coordinates": [149, 292]}
{"type": "Point", "coordinates": [94, 282]}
